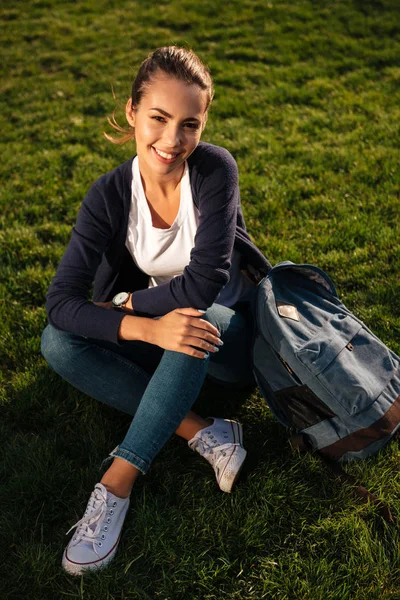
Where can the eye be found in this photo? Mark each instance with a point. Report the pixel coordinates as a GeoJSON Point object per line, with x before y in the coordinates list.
{"type": "Point", "coordinates": [159, 118]}
{"type": "Point", "coordinates": [193, 126]}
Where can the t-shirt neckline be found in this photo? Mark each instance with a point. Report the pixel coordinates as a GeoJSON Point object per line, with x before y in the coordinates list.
{"type": "Point", "coordinates": [144, 206]}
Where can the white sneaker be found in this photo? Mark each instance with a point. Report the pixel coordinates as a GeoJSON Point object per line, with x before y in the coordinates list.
{"type": "Point", "coordinates": [221, 444]}
{"type": "Point", "coordinates": [97, 534]}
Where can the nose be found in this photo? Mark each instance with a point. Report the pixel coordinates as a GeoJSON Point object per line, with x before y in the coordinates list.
{"type": "Point", "coordinates": [172, 136]}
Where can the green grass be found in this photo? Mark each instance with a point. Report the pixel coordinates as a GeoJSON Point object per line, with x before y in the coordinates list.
{"type": "Point", "coordinates": [307, 100]}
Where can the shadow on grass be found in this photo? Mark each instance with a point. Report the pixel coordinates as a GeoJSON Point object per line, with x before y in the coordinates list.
{"type": "Point", "coordinates": [181, 528]}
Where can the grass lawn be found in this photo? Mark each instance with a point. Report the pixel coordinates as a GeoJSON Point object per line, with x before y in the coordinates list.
{"type": "Point", "coordinates": [307, 100]}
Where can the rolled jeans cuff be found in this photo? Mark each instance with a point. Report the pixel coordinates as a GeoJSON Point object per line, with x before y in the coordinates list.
{"type": "Point", "coordinates": [135, 460]}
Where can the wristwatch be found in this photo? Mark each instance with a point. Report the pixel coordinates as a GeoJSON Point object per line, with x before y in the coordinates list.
{"type": "Point", "coordinates": [120, 300]}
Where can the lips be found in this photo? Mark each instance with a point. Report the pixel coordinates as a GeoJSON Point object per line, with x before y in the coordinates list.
{"type": "Point", "coordinates": [165, 154]}
{"type": "Point", "coordinates": [165, 157]}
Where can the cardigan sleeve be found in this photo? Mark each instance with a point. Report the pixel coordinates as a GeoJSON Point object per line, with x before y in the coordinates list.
{"type": "Point", "coordinates": [67, 301]}
{"type": "Point", "coordinates": [207, 273]}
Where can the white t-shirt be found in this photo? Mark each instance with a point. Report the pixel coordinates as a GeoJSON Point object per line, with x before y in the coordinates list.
{"type": "Point", "coordinates": [164, 253]}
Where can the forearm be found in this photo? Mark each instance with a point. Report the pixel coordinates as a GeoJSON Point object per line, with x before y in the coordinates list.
{"type": "Point", "coordinates": [82, 317]}
{"type": "Point", "coordinates": [137, 328]}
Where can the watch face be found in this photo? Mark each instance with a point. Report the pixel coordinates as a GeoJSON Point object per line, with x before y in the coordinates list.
{"type": "Point", "coordinates": [120, 298]}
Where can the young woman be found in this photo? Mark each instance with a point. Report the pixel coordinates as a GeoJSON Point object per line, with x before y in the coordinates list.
{"type": "Point", "coordinates": [163, 239]}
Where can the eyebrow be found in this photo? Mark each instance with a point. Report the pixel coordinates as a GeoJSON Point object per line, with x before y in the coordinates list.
{"type": "Point", "coordinates": [164, 112]}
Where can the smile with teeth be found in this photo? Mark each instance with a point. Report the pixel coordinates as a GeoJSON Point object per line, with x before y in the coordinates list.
{"type": "Point", "coordinates": [165, 155]}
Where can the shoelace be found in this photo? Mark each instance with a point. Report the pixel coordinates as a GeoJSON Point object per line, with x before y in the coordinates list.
{"type": "Point", "coordinates": [95, 512]}
{"type": "Point", "coordinates": [206, 445]}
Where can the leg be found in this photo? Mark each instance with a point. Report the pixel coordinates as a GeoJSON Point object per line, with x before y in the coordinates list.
{"type": "Point", "coordinates": [190, 425]}
{"type": "Point", "coordinates": [116, 375]}
{"type": "Point", "coordinates": [163, 407]}
{"type": "Point", "coordinates": [111, 374]}
{"type": "Point", "coordinates": [232, 364]}
{"type": "Point", "coordinates": [169, 396]}
{"type": "Point", "coordinates": [221, 441]}
{"type": "Point", "coordinates": [121, 475]}
{"type": "Point", "coordinates": [107, 374]}
{"type": "Point", "coordinates": [175, 385]}
{"type": "Point", "coordinates": [117, 380]}
{"type": "Point", "coordinates": [113, 377]}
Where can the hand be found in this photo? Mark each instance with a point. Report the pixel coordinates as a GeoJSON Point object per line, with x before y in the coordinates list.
{"type": "Point", "coordinates": [182, 329]}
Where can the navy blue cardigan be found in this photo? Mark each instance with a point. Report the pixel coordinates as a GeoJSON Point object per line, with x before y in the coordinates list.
{"type": "Point", "coordinates": [96, 253]}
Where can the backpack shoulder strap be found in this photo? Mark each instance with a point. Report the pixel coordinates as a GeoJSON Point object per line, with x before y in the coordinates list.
{"type": "Point", "coordinates": [310, 271]}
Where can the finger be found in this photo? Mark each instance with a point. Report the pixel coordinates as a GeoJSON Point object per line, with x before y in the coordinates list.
{"type": "Point", "coordinates": [205, 325]}
{"type": "Point", "coordinates": [193, 352]}
{"type": "Point", "coordinates": [208, 346]}
{"type": "Point", "coordinates": [203, 334]}
{"type": "Point", "coordinates": [191, 312]}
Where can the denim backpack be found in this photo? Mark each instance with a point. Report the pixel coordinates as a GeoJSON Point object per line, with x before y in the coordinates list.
{"type": "Point", "coordinates": [320, 369]}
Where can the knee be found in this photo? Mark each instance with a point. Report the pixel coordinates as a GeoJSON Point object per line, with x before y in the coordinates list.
{"type": "Point", "coordinates": [224, 318]}
{"type": "Point", "coordinates": [216, 315]}
{"type": "Point", "coordinates": [57, 347]}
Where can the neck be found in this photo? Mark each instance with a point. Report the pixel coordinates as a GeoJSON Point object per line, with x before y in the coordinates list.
{"type": "Point", "coordinates": [164, 185]}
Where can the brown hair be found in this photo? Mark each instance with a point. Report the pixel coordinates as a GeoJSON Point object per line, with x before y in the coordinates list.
{"type": "Point", "coordinates": [180, 63]}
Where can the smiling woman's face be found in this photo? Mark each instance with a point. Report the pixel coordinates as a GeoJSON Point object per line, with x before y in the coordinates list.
{"type": "Point", "coordinates": [168, 124]}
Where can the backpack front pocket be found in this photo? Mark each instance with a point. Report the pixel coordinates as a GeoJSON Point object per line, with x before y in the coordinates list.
{"type": "Point", "coordinates": [351, 364]}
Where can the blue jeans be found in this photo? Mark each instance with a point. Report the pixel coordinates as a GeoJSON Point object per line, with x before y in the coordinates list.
{"type": "Point", "coordinates": [158, 387]}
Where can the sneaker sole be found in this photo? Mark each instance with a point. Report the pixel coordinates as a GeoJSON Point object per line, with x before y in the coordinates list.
{"type": "Point", "coordinates": [78, 568]}
{"type": "Point", "coordinates": [226, 482]}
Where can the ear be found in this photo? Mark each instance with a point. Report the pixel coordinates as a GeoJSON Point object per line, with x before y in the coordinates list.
{"type": "Point", "coordinates": [130, 113]}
